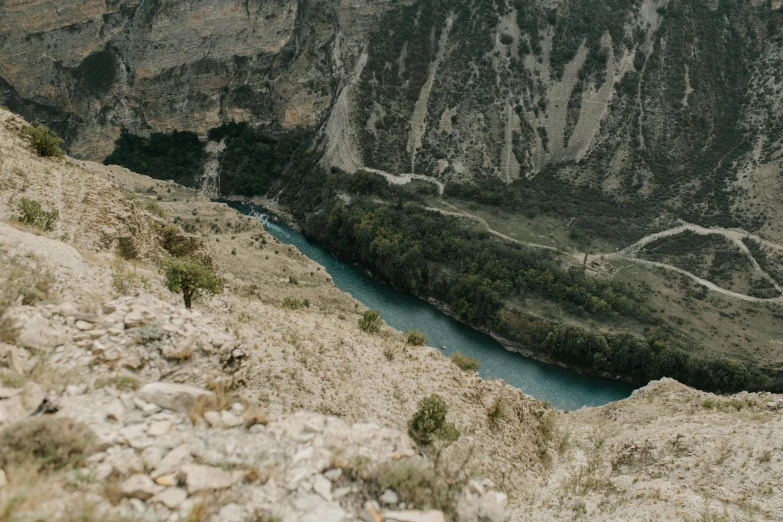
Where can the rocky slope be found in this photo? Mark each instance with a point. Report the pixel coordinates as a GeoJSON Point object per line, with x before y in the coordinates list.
{"type": "Point", "coordinates": [245, 409]}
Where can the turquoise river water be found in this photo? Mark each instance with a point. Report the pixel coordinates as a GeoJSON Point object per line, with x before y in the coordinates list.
{"type": "Point", "coordinates": [563, 388]}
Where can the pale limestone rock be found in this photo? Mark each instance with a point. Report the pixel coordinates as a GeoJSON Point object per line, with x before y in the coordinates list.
{"type": "Point", "coordinates": [316, 509]}
{"type": "Point", "coordinates": [213, 418]}
{"type": "Point", "coordinates": [171, 462]}
{"type": "Point", "coordinates": [139, 486]}
{"type": "Point", "coordinates": [323, 487]}
{"type": "Point", "coordinates": [37, 333]}
{"type": "Point", "coordinates": [232, 512]}
{"type": "Point", "coordinates": [230, 420]}
{"type": "Point", "coordinates": [334, 474]}
{"type": "Point", "coordinates": [20, 403]}
{"type": "Point", "coordinates": [83, 325]}
{"type": "Point", "coordinates": [159, 428]}
{"type": "Point", "coordinates": [172, 498]}
{"type": "Point", "coordinates": [479, 503]}
{"type": "Point", "coordinates": [388, 497]}
{"type": "Point", "coordinates": [206, 478]}
{"type": "Point", "coordinates": [179, 397]}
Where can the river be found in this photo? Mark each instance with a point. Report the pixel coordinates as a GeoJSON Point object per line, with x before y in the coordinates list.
{"type": "Point", "coordinates": [563, 388]}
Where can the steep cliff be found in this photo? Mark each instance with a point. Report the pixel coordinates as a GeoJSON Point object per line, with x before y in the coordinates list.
{"type": "Point", "coordinates": [635, 142]}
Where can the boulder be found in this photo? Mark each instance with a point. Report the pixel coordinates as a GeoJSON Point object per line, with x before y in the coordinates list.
{"type": "Point", "coordinates": [389, 497]}
{"type": "Point", "coordinates": [480, 503]}
{"type": "Point", "coordinates": [36, 333]}
{"type": "Point", "coordinates": [16, 404]}
{"type": "Point", "coordinates": [179, 397]}
{"type": "Point", "coordinates": [207, 478]}
{"type": "Point", "coordinates": [171, 462]}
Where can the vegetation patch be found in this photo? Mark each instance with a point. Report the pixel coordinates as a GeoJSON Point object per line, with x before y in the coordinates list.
{"type": "Point", "coordinates": [465, 362]}
{"type": "Point", "coordinates": [415, 337]}
{"type": "Point", "coordinates": [429, 423]}
{"type": "Point", "coordinates": [49, 443]}
{"type": "Point", "coordinates": [371, 321]}
{"type": "Point", "coordinates": [191, 278]}
{"type": "Point", "coordinates": [45, 141]}
{"type": "Point", "coordinates": [30, 212]}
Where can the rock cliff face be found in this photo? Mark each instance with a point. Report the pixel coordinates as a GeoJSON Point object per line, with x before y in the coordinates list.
{"type": "Point", "coordinates": [93, 67]}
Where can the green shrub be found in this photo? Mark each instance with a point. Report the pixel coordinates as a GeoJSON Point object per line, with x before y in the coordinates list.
{"type": "Point", "coordinates": [464, 362]}
{"type": "Point", "coordinates": [11, 379]}
{"type": "Point", "coordinates": [177, 243]}
{"type": "Point", "coordinates": [191, 277]}
{"type": "Point", "coordinates": [292, 303]}
{"type": "Point", "coordinates": [31, 213]}
{"type": "Point", "coordinates": [416, 337]}
{"type": "Point", "coordinates": [429, 422]}
{"type": "Point", "coordinates": [371, 321]}
{"type": "Point", "coordinates": [45, 141]}
{"type": "Point", "coordinates": [49, 443]}
{"type": "Point", "coordinates": [506, 39]}
{"type": "Point", "coordinates": [126, 282]}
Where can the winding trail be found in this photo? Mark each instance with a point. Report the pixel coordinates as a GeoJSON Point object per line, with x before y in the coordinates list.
{"type": "Point", "coordinates": [630, 252]}
{"type": "Point", "coordinates": [404, 179]}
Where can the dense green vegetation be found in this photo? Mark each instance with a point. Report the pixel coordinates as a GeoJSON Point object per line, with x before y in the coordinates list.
{"type": "Point", "coordinates": [639, 360]}
{"type": "Point", "coordinates": [176, 156]}
{"type": "Point", "coordinates": [45, 141]}
{"type": "Point", "coordinates": [429, 423]}
{"type": "Point", "coordinates": [191, 278]}
{"type": "Point", "coordinates": [30, 212]}
{"type": "Point", "coordinates": [254, 158]}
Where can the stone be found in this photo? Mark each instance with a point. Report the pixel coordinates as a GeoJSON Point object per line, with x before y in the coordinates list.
{"type": "Point", "coordinates": [232, 512]}
{"type": "Point", "coordinates": [116, 410]}
{"type": "Point", "coordinates": [334, 474]}
{"type": "Point", "coordinates": [178, 397]}
{"type": "Point", "coordinates": [230, 420]}
{"type": "Point", "coordinates": [138, 505]}
{"type": "Point", "coordinates": [139, 486]}
{"type": "Point", "coordinates": [200, 477]}
{"type": "Point", "coordinates": [21, 403]}
{"type": "Point", "coordinates": [479, 503]}
{"type": "Point", "coordinates": [39, 335]}
{"type": "Point", "coordinates": [410, 515]}
{"type": "Point", "coordinates": [167, 480]}
{"type": "Point", "coordinates": [323, 487]}
{"type": "Point", "coordinates": [66, 309]}
{"type": "Point", "coordinates": [159, 428]}
{"type": "Point", "coordinates": [172, 498]}
{"type": "Point", "coordinates": [316, 509]}
{"type": "Point", "coordinates": [83, 325]}
{"type": "Point", "coordinates": [134, 318]}
{"type": "Point", "coordinates": [74, 390]}
{"type": "Point", "coordinates": [388, 497]}
{"type": "Point", "coordinates": [213, 418]}
{"type": "Point", "coordinates": [171, 462]}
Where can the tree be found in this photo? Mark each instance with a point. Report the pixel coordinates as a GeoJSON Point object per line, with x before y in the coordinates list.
{"type": "Point", "coordinates": [371, 321]}
{"type": "Point", "coordinates": [191, 277]}
{"type": "Point", "coordinates": [429, 422]}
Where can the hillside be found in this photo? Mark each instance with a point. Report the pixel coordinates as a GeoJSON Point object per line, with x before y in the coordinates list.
{"type": "Point", "coordinates": [307, 414]}
{"type": "Point", "coordinates": [557, 138]}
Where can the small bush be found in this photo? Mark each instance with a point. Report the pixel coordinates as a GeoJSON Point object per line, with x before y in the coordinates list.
{"type": "Point", "coordinates": [416, 485]}
{"type": "Point", "coordinates": [154, 208]}
{"type": "Point", "coordinates": [190, 277]}
{"type": "Point", "coordinates": [31, 213]}
{"type": "Point", "coordinates": [293, 280]}
{"type": "Point", "coordinates": [371, 321]}
{"type": "Point", "coordinates": [126, 282]}
{"type": "Point", "coordinates": [49, 443]}
{"type": "Point", "coordinates": [416, 337]}
{"type": "Point", "coordinates": [123, 383]}
{"type": "Point", "coordinates": [45, 141]}
{"type": "Point", "coordinates": [429, 422]}
{"type": "Point", "coordinates": [506, 39]}
{"type": "Point", "coordinates": [292, 303]}
{"type": "Point", "coordinates": [464, 362]}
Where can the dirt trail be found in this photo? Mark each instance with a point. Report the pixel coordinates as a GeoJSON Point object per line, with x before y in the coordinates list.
{"type": "Point", "coordinates": [404, 179]}
{"type": "Point", "coordinates": [631, 251]}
